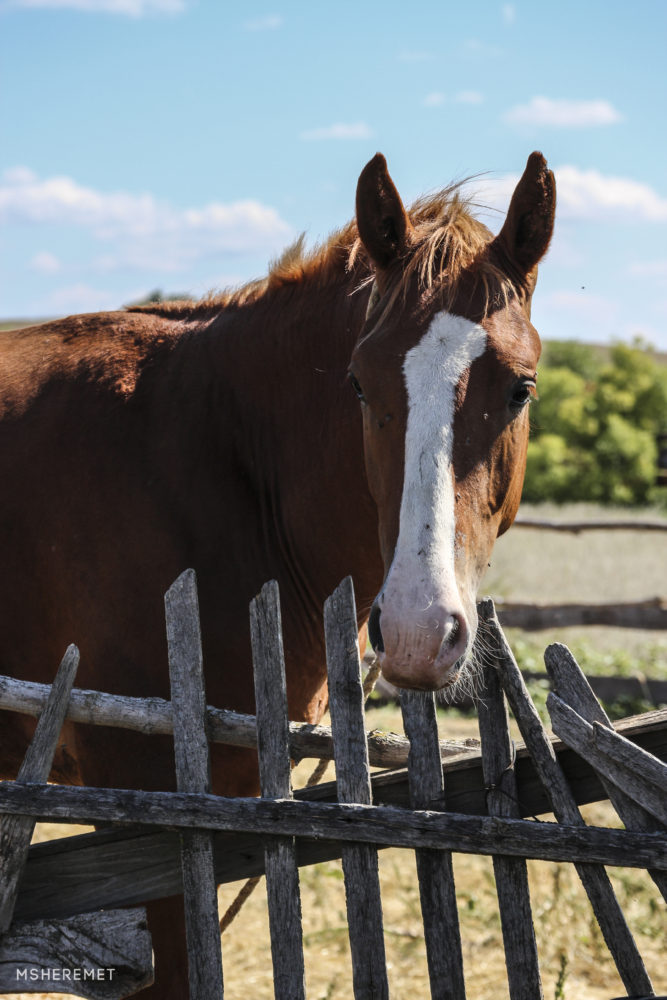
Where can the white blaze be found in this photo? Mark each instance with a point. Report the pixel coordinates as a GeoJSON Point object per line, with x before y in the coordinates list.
{"type": "Point", "coordinates": [423, 567]}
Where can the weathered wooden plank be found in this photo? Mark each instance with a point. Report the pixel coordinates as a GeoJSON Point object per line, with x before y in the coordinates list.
{"type": "Point", "coordinates": [388, 826]}
{"type": "Point", "coordinates": [282, 872]}
{"type": "Point", "coordinates": [16, 831]}
{"type": "Point", "coordinates": [193, 775]}
{"type": "Point", "coordinates": [640, 775]}
{"type": "Point", "coordinates": [360, 864]}
{"type": "Point", "coordinates": [651, 614]}
{"type": "Point", "coordinates": [437, 892]}
{"type": "Point", "coordinates": [119, 867]}
{"type": "Point", "coordinates": [511, 874]}
{"type": "Point", "coordinates": [575, 527]}
{"type": "Point", "coordinates": [593, 877]}
{"type": "Point", "coordinates": [572, 686]}
{"type": "Point", "coordinates": [154, 715]}
{"type": "Point", "coordinates": [103, 956]}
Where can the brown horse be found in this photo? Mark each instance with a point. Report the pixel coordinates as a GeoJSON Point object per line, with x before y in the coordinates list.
{"type": "Point", "coordinates": [223, 435]}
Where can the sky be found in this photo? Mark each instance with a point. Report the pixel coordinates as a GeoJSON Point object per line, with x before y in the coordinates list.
{"type": "Point", "coordinates": [181, 144]}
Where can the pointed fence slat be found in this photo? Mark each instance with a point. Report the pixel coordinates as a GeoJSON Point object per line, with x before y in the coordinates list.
{"type": "Point", "coordinates": [571, 685]}
{"type": "Point", "coordinates": [594, 878]}
{"type": "Point", "coordinates": [435, 872]}
{"type": "Point", "coordinates": [193, 774]}
{"type": "Point", "coordinates": [16, 831]}
{"type": "Point", "coordinates": [640, 775]}
{"type": "Point", "coordinates": [360, 863]}
{"type": "Point", "coordinates": [511, 874]}
{"type": "Point", "coordinates": [282, 873]}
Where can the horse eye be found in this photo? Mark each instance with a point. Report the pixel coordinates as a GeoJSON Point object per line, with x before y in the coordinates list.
{"type": "Point", "coordinates": [354, 382]}
{"type": "Point", "coordinates": [521, 394]}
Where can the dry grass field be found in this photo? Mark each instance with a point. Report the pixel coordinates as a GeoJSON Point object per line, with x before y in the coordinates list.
{"type": "Point", "coordinates": [575, 963]}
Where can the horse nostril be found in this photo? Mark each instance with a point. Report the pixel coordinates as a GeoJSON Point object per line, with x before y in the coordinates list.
{"type": "Point", "coordinates": [374, 633]}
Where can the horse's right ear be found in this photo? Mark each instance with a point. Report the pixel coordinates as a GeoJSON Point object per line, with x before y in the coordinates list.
{"type": "Point", "coordinates": [383, 223]}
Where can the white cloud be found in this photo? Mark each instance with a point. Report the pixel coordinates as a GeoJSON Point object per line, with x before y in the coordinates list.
{"type": "Point", "coordinates": [563, 113]}
{"type": "Point", "coordinates": [650, 269]}
{"type": "Point", "coordinates": [45, 263]}
{"type": "Point", "coordinates": [434, 99]}
{"type": "Point", "coordinates": [269, 23]}
{"type": "Point", "coordinates": [469, 97]}
{"type": "Point", "coordinates": [508, 11]}
{"type": "Point", "coordinates": [584, 195]}
{"type": "Point", "coordinates": [356, 130]}
{"type": "Point", "coordinates": [131, 8]}
{"type": "Point", "coordinates": [142, 231]}
{"type": "Point", "coordinates": [589, 194]}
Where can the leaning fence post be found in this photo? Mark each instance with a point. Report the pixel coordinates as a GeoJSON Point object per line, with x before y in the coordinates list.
{"type": "Point", "coordinates": [16, 831]}
{"type": "Point", "coordinates": [594, 878]}
{"type": "Point", "coordinates": [572, 686]}
{"type": "Point", "coordinates": [442, 934]}
{"type": "Point", "coordinates": [360, 864]}
{"type": "Point", "coordinates": [511, 874]}
{"type": "Point", "coordinates": [193, 774]}
{"type": "Point", "coordinates": [282, 873]}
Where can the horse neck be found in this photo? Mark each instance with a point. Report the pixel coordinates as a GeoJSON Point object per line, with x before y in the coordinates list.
{"type": "Point", "coordinates": [283, 361]}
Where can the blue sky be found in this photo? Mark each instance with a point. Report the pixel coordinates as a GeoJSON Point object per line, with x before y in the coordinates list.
{"type": "Point", "coordinates": [180, 144]}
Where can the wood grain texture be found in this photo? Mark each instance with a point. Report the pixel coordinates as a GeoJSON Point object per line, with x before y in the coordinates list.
{"type": "Point", "coordinates": [511, 874]}
{"type": "Point", "coordinates": [123, 866]}
{"type": "Point", "coordinates": [282, 872]}
{"type": "Point", "coordinates": [641, 776]}
{"type": "Point", "coordinates": [572, 686]}
{"type": "Point", "coordinates": [154, 715]}
{"type": "Point", "coordinates": [193, 775]}
{"type": "Point", "coordinates": [388, 826]}
{"type": "Point", "coordinates": [437, 891]}
{"type": "Point", "coordinates": [594, 878]}
{"type": "Point", "coordinates": [360, 864]}
{"type": "Point", "coordinates": [16, 831]}
{"type": "Point", "coordinates": [101, 956]}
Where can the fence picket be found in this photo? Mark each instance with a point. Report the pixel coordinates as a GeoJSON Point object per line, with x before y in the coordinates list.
{"type": "Point", "coordinates": [511, 874]}
{"type": "Point", "coordinates": [437, 891]}
{"type": "Point", "coordinates": [594, 878]}
{"type": "Point", "coordinates": [282, 873]}
{"type": "Point", "coordinates": [16, 831]}
{"type": "Point", "coordinates": [571, 685]}
{"type": "Point", "coordinates": [360, 863]}
{"type": "Point", "coordinates": [193, 774]}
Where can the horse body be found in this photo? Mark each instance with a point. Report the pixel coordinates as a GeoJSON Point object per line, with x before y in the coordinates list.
{"type": "Point", "coordinates": [222, 436]}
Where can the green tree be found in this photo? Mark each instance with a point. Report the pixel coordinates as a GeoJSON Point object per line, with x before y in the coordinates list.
{"type": "Point", "coordinates": [595, 425]}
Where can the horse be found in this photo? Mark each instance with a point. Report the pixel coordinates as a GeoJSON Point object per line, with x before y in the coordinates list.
{"type": "Point", "coordinates": [362, 410]}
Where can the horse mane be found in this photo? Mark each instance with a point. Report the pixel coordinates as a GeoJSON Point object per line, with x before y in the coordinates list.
{"type": "Point", "coordinates": [446, 239]}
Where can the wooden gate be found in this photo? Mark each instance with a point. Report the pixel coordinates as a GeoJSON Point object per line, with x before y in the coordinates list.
{"type": "Point", "coordinates": [292, 830]}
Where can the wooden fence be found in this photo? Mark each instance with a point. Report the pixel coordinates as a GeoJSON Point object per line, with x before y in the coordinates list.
{"type": "Point", "coordinates": [290, 830]}
{"type": "Point", "coordinates": [645, 614]}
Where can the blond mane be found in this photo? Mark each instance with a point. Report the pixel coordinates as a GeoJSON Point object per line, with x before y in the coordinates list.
{"type": "Point", "coordinates": [446, 238]}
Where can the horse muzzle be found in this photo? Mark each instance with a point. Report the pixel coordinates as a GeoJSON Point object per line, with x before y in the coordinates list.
{"type": "Point", "coordinates": [422, 649]}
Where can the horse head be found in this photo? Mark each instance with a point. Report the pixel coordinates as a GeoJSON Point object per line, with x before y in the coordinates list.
{"type": "Point", "coordinates": [445, 367]}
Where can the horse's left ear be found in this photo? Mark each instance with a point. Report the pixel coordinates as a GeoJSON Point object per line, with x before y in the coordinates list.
{"type": "Point", "coordinates": [527, 230]}
{"type": "Point", "coordinates": [383, 223]}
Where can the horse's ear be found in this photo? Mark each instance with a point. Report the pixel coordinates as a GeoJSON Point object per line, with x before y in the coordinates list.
{"type": "Point", "coordinates": [383, 223]}
{"type": "Point", "coordinates": [526, 233]}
